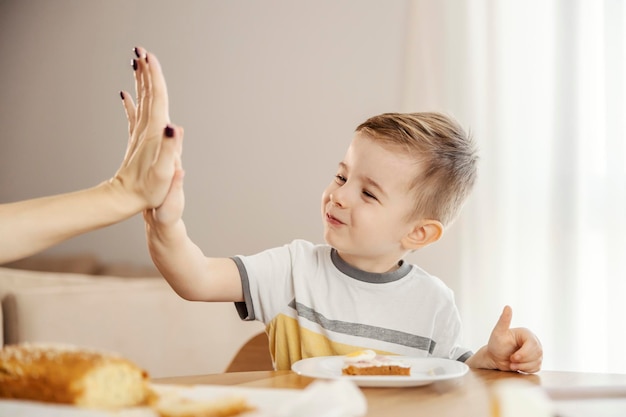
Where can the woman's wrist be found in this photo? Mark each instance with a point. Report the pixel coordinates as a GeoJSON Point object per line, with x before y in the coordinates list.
{"type": "Point", "coordinates": [125, 203]}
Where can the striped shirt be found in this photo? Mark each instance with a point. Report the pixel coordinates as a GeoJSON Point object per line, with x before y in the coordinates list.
{"type": "Point", "coordinates": [315, 304]}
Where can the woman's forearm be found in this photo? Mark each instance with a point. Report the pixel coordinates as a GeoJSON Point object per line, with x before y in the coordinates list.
{"type": "Point", "coordinates": [30, 226]}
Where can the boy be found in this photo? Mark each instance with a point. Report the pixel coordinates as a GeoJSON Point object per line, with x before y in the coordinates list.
{"type": "Point", "coordinates": [403, 178]}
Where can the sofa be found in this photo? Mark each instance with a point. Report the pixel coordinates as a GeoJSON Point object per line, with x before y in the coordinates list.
{"type": "Point", "coordinates": [122, 308]}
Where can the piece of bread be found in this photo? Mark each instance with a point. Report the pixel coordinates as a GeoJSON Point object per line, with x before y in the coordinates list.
{"type": "Point", "coordinates": [88, 378]}
{"type": "Point", "coordinates": [71, 375]}
{"type": "Point", "coordinates": [367, 362]}
{"type": "Point", "coordinates": [185, 407]}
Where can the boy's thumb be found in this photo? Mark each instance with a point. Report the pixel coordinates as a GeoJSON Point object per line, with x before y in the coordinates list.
{"type": "Point", "coordinates": [504, 322]}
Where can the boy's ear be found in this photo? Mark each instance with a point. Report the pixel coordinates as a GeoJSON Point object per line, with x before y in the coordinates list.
{"type": "Point", "coordinates": [423, 234]}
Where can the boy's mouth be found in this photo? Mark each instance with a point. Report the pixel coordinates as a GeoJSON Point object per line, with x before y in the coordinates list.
{"type": "Point", "coordinates": [333, 220]}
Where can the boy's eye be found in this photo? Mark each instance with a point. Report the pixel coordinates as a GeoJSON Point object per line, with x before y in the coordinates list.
{"type": "Point", "coordinates": [369, 195]}
{"type": "Point", "coordinates": [340, 179]}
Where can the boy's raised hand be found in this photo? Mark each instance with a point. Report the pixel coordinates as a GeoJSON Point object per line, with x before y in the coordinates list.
{"type": "Point", "coordinates": [171, 210]}
{"type": "Point", "coordinates": [516, 349]}
{"type": "Point", "coordinates": [152, 157]}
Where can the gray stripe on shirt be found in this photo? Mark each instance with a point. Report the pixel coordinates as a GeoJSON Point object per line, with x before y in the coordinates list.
{"type": "Point", "coordinates": [364, 330]}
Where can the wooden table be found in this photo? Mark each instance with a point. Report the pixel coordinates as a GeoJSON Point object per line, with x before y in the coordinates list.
{"type": "Point", "coordinates": [575, 394]}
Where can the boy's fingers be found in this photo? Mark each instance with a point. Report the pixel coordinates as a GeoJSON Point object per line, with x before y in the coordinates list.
{"type": "Point", "coordinates": [177, 180]}
{"type": "Point", "coordinates": [528, 367]}
{"type": "Point", "coordinates": [174, 200]}
{"type": "Point", "coordinates": [530, 349]}
{"type": "Point", "coordinates": [179, 149]}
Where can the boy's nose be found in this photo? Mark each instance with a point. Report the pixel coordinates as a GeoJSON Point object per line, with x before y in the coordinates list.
{"type": "Point", "coordinates": [338, 197]}
{"type": "Point", "coordinates": [335, 201]}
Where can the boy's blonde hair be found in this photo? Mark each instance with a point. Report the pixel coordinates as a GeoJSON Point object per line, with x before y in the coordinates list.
{"type": "Point", "coordinates": [445, 153]}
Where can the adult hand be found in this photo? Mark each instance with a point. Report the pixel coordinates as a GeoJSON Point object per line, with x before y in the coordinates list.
{"type": "Point", "coordinates": [154, 145]}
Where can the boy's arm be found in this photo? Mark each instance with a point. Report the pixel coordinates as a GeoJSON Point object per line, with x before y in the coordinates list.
{"type": "Point", "coordinates": [192, 275]}
{"type": "Point", "coordinates": [509, 349]}
{"type": "Point", "coordinates": [142, 181]}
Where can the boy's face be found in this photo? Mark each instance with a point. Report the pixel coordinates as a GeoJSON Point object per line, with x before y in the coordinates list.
{"type": "Point", "coordinates": [365, 209]}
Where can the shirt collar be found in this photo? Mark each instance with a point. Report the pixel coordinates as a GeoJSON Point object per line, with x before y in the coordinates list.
{"type": "Point", "coordinates": [371, 277]}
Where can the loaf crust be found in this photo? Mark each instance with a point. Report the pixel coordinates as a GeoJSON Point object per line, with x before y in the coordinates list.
{"type": "Point", "coordinates": [70, 375]}
{"type": "Point", "coordinates": [87, 378]}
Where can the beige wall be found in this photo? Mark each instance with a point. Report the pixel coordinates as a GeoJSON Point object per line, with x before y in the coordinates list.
{"type": "Point", "coordinates": [269, 93]}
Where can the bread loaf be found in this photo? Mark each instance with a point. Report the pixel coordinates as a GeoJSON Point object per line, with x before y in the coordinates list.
{"type": "Point", "coordinates": [71, 375]}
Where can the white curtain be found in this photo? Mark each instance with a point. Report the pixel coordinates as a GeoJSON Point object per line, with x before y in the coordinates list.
{"type": "Point", "coordinates": [541, 84]}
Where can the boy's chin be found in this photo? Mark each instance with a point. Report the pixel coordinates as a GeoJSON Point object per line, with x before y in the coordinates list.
{"type": "Point", "coordinates": [332, 241]}
{"type": "Point", "coordinates": [341, 249]}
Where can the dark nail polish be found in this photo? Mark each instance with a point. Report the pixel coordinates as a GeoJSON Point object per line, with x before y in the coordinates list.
{"type": "Point", "coordinates": [122, 95]}
{"type": "Point", "coordinates": [134, 64]}
{"type": "Point", "coordinates": [136, 52]}
{"type": "Point", "coordinates": [169, 131]}
{"type": "Point", "coordinates": [146, 57]}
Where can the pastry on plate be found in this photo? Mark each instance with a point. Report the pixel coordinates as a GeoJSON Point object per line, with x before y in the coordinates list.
{"type": "Point", "coordinates": [368, 362]}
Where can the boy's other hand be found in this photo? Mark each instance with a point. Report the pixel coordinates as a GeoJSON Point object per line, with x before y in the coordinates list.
{"type": "Point", "coordinates": [516, 349]}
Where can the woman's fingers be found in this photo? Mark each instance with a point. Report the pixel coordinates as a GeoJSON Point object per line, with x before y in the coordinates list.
{"type": "Point", "coordinates": [153, 155]}
{"type": "Point", "coordinates": [129, 109]}
{"type": "Point", "coordinates": [159, 107]}
{"type": "Point", "coordinates": [168, 158]}
{"type": "Point", "coordinates": [144, 93]}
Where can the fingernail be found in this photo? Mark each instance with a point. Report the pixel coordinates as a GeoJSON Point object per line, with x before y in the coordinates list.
{"type": "Point", "coordinates": [134, 64]}
{"type": "Point", "coordinates": [169, 131]}
{"type": "Point", "coordinates": [122, 95]}
{"type": "Point", "coordinates": [146, 57]}
{"type": "Point", "coordinates": [136, 50]}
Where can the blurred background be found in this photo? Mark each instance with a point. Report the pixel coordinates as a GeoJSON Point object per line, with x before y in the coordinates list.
{"type": "Point", "coordinates": [269, 93]}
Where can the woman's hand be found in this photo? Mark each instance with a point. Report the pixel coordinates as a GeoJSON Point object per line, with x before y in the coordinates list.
{"type": "Point", "coordinates": [154, 146]}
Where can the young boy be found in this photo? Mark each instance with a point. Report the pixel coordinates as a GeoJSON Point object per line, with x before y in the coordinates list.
{"type": "Point", "coordinates": [403, 178]}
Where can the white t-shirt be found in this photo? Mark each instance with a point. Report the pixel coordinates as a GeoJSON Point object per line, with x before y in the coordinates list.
{"type": "Point", "coordinates": [315, 304]}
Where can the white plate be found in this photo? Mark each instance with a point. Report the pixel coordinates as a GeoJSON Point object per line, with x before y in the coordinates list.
{"type": "Point", "coordinates": [423, 371]}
